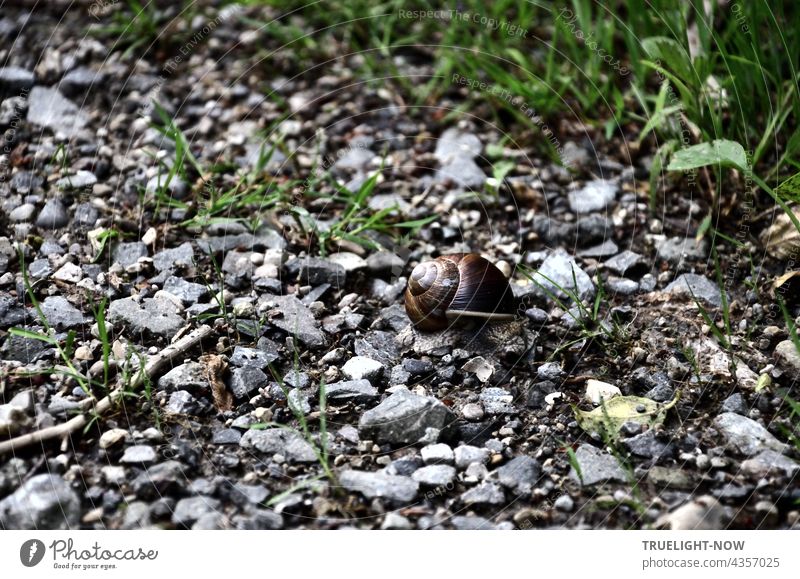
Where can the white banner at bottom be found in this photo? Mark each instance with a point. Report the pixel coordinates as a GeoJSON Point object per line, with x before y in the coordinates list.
{"type": "Point", "coordinates": [354, 554]}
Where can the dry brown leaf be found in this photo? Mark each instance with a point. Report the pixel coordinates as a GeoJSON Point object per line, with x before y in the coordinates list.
{"type": "Point", "coordinates": [782, 239]}
{"type": "Point", "coordinates": [215, 367]}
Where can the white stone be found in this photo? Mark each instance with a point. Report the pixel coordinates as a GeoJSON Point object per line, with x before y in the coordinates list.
{"type": "Point", "coordinates": [597, 391]}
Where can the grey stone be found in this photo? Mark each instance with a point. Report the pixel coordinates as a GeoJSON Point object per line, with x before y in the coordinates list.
{"type": "Point", "coordinates": [418, 367]}
{"type": "Point", "coordinates": [497, 401]}
{"type": "Point", "coordinates": [279, 441]}
{"type": "Point", "coordinates": [519, 474]}
{"type": "Point", "coordinates": [44, 502]}
{"type": "Point", "coordinates": [596, 467]}
{"type": "Point", "coordinates": [769, 462]}
{"type": "Point", "coordinates": [473, 412]}
{"type": "Point", "coordinates": [53, 215]}
{"type": "Point", "coordinates": [174, 259]}
{"type": "Point", "coordinates": [557, 272]}
{"type": "Point", "coordinates": [735, 403]}
{"type": "Point", "coordinates": [746, 436]}
{"type": "Point", "coordinates": [399, 377]}
{"type": "Point", "coordinates": [40, 269]}
{"type": "Point", "coordinates": [253, 494]}
{"type": "Point", "coordinates": [382, 262]}
{"type": "Point", "coordinates": [457, 143]}
{"type": "Point", "coordinates": [648, 445]}
{"type": "Point", "coordinates": [354, 159]}
{"type": "Point", "coordinates": [297, 319]}
{"type": "Point", "coordinates": [11, 312]}
{"type": "Point", "coordinates": [538, 392]}
{"type": "Point", "coordinates": [51, 247]}
{"type": "Point", "coordinates": [676, 249]}
{"type": "Point", "coordinates": [703, 513]}
{"type": "Point", "coordinates": [25, 182]}
{"type": "Point", "coordinates": [396, 522]}
{"type": "Point", "coordinates": [406, 418]}
{"type": "Point", "coordinates": [139, 454]}
{"type": "Point", "coordinates": [485, 494]}
{"type": "Point", "coordinates": [23, 400]}
{"type": "Point", "coordinates": [256, 357]}
{"type": "Point", "coordinates": [157, 316]}
{"type": "Point", "coordinates": [69, 272]}
{"type": "Point", "coordinates": [462, 171]}
{"type": "Point", "coordinates": [605, 249]}
{"type": "Point", "coordinates": [702, 288]}
{"type": "Point", "coordinates": [190, 376]}
{"type": "Point", "coordinates": [624, 261]}
{"type": "Point", "coordinates": [137, 516]}
{"type": "Point", "coordinates": [48, 108]}
{"type": "Point", "coordinates": [14, 81]}
{"type": "Point", "coordinates": [60, 406]}
{"type": "Point", "coordinates": [437, 454]}
{"type": "Point", "coordinates": [159, 480]}
{"type": "Point", "coordinates": [299, 401]}
{"type": "Point", "coordinates": [209, 522]}
{"type": "Point", "coordinates": [622, 286]}
{"type": "Point", "coordinates": [21, 349]}
{"type": "Point", "coordinates": [594, 196]}
{"type": "Point", "coordinates": [296, 379]}
{"type": "Point", "coordinates": [405, 466]}
{"type": "Point", "coordinates": [316, 271]}
{"type": "Point", "coordinates": [59, 313]}
{"type": "Point", "coordinates": [23, 213]}
{"type": "Point", "coordinates": [238, 266]}
{"type": "Point", "coordinates": [788, 358]}
{"type": "Point", "coordinates": [247, 380]}
{"type": "Point", "coordinates": [471, 523]}
{"type": "Point", "coordinates": [12, 419]}
{"type": "Point", "coordinates": [265, 238]}
{"type": "Point", "coordinates": [361, 367]}
{"type": "Point", "coordinates": [226, 436]}
{"type": "Point", "coordinates": [465, 455]}
{"type": "Point", "coordinates": [182, 402]}
{"type": "Point", "coordinates": [188, 292]}
{"type": "Point", "coordinates": [393, 488]}
{"type": "Point", "coordinates": [435, 475]}
{"type": "Point", "coordinates": [78, 81]}
{"type": "Point", "coordinates": [258, 519]}
{"type": "Point", "coordinates": [85, 215]}
{"type": "Point", "coordinates": [549, 371]}
{"type": "Point", "coordinates": [564, 503]}
{"type": "Point", "coordinates": [80, 180]}
{"type": "Point", "coordinates": [358, 391]}
{"type": "Point", "coordinates": [189, 510]}
{"type": "Point", "coordinates": [380, 346]}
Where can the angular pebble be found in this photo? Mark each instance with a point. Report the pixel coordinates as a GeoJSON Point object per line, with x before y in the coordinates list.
{"type": "Point", "coordinates": [396, 489]}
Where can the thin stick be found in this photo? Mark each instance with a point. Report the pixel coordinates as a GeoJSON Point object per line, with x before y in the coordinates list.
{"type": "Point", "coordinates": [153, 366]}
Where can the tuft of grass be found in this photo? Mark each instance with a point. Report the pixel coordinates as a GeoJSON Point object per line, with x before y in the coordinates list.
{"type": "Point", "coordinates": [592, 324]}
{"type": "Point", "coordinates": [356, 221]}
{"type": "Point", "coordinates": [65, 348]}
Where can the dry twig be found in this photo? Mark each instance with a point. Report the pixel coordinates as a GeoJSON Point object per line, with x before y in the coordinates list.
{"type": "Point", "coordinates": [153, 366]}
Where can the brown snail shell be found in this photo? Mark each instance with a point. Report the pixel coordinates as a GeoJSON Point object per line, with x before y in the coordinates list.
{"type": "Point", "coordinates": [450, 287]}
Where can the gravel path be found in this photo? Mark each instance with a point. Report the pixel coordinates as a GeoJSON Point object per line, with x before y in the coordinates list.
{"type": "Point", "coordinates": [314, 403]}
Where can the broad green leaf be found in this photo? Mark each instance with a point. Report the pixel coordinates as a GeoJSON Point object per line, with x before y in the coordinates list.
{"type": "Point", "coordinates": [613, 413]}
{"type": "Point", "coordinates": [672, 55]}
{"type": "Point", "coordinates": [718, 152]}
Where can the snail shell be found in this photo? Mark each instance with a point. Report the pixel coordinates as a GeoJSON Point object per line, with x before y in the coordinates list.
{"type": "Point", "coordinates": [454, 286]}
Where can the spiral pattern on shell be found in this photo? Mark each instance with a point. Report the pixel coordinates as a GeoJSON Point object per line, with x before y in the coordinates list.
{"type": "Point", "coordinates": [465, 283]}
